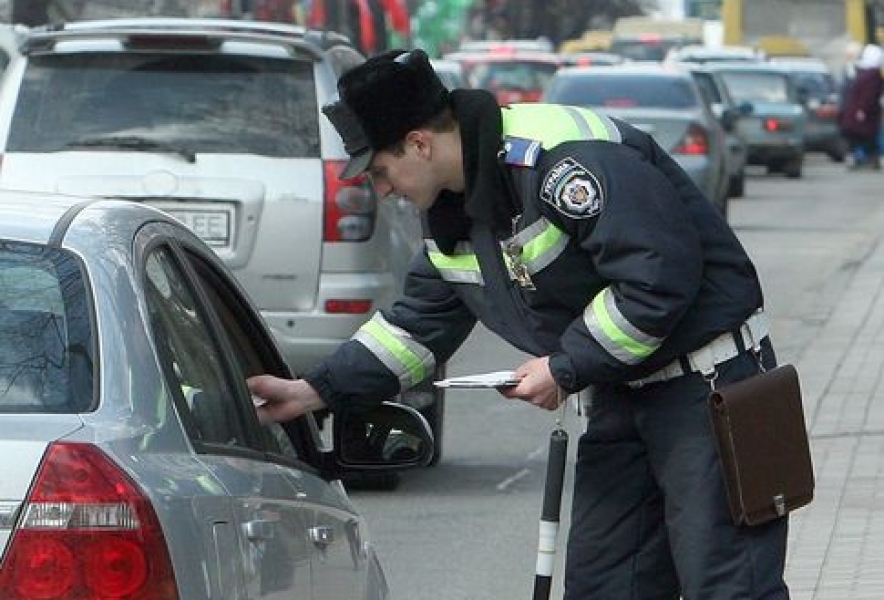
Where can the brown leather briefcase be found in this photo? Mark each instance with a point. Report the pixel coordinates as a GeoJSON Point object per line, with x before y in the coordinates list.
{"type": "Point", "coordinates": [763, 444]}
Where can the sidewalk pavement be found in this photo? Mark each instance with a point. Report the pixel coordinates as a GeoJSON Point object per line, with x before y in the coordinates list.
{"type": "Point", "coordinates": [836, 549]}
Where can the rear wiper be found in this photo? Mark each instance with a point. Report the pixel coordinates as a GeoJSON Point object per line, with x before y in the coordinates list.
{"type": "Point", "coordinates": [132, 142]}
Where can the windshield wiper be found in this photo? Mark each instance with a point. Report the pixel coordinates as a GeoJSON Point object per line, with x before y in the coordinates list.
{"type": "Point", "coordinates": [132, 142]}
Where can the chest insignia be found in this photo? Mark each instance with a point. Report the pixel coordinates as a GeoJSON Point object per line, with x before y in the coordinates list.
{"type": "Point", "coordinates": [573, 190]}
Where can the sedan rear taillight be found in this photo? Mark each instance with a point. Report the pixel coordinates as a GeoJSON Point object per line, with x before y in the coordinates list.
{"type": "Point", "coordinates": [86, 531]}
{"type": "Point", "coordinates": [773, 124]}
{"type": "Point", "coordinates": [695, 141]}
{"type": "Point", "coordinates": [350, 206]}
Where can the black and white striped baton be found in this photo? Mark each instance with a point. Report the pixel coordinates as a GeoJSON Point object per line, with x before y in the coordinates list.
{"type": "Point", "coordinates": [549, 516]}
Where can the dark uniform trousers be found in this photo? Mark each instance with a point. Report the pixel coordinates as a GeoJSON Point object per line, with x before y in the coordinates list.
{"type": "Point", "coordinates": [650, 518]}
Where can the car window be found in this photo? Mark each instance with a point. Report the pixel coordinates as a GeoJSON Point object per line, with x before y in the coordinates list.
{"type": "Point", "coordinates": [46, 352]}
{"type": "Point", "coordinates": [207, 104]}
{"type": "Point", "coordinates": [624, 92]}
{"type": "Point", "coordinates": [203, 383]}
{"type": "Point", "coordinates": [710, 91]}
{"type": "Point", "coordinates": [519, 75]}
{"type": "Point", "coordinates": [191, 358]}
{"type": "Point", "coordinates": [757, 87]}
{"type": "Point", "coordinates": [251, 351]}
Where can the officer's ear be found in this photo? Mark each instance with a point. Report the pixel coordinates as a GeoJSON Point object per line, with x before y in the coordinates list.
{"type": "Point", "coordinates": [421, 140]}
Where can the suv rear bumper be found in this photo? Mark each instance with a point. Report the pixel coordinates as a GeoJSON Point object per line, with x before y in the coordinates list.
{"type": "Point", "coordinates": [306, 337]}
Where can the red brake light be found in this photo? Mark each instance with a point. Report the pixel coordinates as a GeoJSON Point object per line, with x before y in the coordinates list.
{"type": "Point", "coordinates": [695, 142]}
{"type": "Point", "coordinates": [350, 206]}
{"type": "Point", "coordinates": [86, 531]}
{"type": "Point", "coordinates": [773, 124]}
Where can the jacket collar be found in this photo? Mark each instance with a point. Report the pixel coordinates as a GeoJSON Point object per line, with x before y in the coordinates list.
{"type": "Point", "coordinates": [485, 199]}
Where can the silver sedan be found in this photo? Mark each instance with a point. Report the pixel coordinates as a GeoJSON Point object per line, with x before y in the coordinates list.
{"type": "Point", "coordinates": [134, 462]}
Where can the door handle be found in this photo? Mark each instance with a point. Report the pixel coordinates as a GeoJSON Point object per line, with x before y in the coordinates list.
{"type": "Point", "coordinates": [258, 530]}
{"type": "Point", "coordinates": [321, 535]}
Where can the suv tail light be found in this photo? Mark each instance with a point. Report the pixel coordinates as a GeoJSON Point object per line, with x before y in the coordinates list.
{"type": "Point", "coordinates": [86, 532]}
{"type": "Point", "coordinates": [350, 206]}
{"type": "Point", "coordinates": [695, 141]}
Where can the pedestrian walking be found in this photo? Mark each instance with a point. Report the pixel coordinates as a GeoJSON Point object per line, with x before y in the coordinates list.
{"type": "Point", "coordinates": [578, 240]}
{"type": "Point", "coordinates": [860, 118]}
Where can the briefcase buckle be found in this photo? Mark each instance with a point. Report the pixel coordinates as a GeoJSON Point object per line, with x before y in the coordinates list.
{"type": "Point", "coordinates": [780, 504]}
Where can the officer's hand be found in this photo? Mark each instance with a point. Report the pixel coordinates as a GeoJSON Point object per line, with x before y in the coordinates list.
{"type": "Point", "coordinates": [537, 385]}
{"type": "Point", "coordinates": [278, 400]}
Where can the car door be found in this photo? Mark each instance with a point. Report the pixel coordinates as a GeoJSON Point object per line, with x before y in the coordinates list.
{"type": "Point", "coordinates": [298, 536]}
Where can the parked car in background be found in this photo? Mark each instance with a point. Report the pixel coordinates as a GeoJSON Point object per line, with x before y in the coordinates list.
{"type": "Point", "coordinates": [818, 91]}
{"type": "Point", "coordinates": [590, 59]}
{"type": "Point", "coordinates": [135, 464]}
{"type": "Point", "coordinates": [512, 75]}
{"type": "Point", "coordinates": [218, 122]}
{"type": "Point", "coordinates": [665, 103]}
{"type": "Point", "coordinates": [651, 47]}
{"type": "Point", "coordinates": [728, 113]}
{"type": "Point", "coordinates": [701, 54]}
{"type": "Point", "coordinates": [774, 129]}
{"type": "Point", "coordinates": [450, 72]}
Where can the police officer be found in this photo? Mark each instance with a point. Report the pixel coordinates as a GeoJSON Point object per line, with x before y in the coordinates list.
{"type": "Point", "coordinates": [576, 238]}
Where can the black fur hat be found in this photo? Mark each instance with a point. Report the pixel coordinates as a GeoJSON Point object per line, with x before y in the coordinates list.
{"type": "Point", "coordinates": [383, 99]}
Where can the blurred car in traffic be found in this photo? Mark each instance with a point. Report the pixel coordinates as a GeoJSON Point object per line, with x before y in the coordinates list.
{"type": "Point", "coordinates": [774, 127]}
{"type": "Point", "coordinates": [450, 72]}
{"type": "Point", "coordinates": [592, 58]}
{"type": "Point", "coordinates": [652, 47]}
{"type": "Point", "coordinates": [701, 54]}
{"type": "Point", "coordinates": [728, 113]}
{"type": "Point", "coordinates": [511, 74]}
{"type": "Point", "coordinates": [135, 464]}
{"type": "Point", "coordinates": [818, 91]}
{"type": "Point", "coordinates": [665, 103]}
{"type": "Point", "coordinates": [219, 123]}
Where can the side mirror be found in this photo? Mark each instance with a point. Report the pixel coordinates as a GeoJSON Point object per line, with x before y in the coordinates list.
{"type": "Point", "coordinates": [387, 437]}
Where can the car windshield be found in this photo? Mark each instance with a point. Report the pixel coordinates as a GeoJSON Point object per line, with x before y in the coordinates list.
{"type": "Point", "coordinates": [513, 75]}
{"type": "Point", "coordinates": [45, 332]}
{"type": "Point", "coordinates": [747, 86]}
{"type": "Point", "coordinates": [184, 104]}
{"type": "Point", "coordinates": [619, 91]}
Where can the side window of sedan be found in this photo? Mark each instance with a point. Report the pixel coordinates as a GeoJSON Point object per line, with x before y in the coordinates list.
{"type": "Point", "coordinates": [191, 358]}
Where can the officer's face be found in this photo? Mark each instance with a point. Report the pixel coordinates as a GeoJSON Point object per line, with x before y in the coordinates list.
{"type": "Point", "coordinates": [408, 174]}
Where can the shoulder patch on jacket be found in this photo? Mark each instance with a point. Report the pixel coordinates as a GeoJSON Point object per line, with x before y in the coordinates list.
{"type": "Point", "coordinates": [521, 152]}
{"type": "Point", "coordinates": [572, 190]}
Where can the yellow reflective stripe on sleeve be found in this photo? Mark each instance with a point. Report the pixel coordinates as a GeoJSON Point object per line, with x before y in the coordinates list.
{"type": "Point", "coordinates": [460, 267]}
{"type": "Point", "coordinates": [410, 361]}
{"type": "Point", "coordinates": [617, 336]}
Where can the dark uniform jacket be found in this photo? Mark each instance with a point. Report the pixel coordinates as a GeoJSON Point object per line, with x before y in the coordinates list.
{"type": "Point", "coordinates": [577, 237]}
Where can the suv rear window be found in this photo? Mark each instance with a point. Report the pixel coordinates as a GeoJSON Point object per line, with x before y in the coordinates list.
{"type": "Point", "coordinates": [208, 104]}
{"type": "Point", "coordinates": [45, 332]}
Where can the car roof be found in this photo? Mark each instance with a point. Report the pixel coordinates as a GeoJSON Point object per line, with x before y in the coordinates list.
{"type": "Point", "coordinates": [33, 217]}
{"type": "Point", "coordinates": [626, 69]}
{"type": "Point", "coordinates": [506, 55]}
{"type": "Point", "coordinates": [310, 40]}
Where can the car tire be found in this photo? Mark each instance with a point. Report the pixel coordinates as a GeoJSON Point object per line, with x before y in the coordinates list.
{"type": "Point", "coordinates": [429, 401]}
{"type": "Point", "coordinates": [837, 151]}
{"type": "Point", "coordinates": [737, 186]}
{"type": "Point", "coordinates": [793, 167]}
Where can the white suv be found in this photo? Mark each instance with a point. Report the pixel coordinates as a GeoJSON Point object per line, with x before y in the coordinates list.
{"type": "Point", "coordinates": [218, 122]}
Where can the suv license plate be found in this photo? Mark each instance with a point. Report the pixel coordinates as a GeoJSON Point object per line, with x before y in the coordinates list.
{"type": "Point", "coordinates": [213, 226]}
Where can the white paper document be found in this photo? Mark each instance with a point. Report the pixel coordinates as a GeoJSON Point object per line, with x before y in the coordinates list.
{"type": "Point", "coordinates": [482, 380]}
